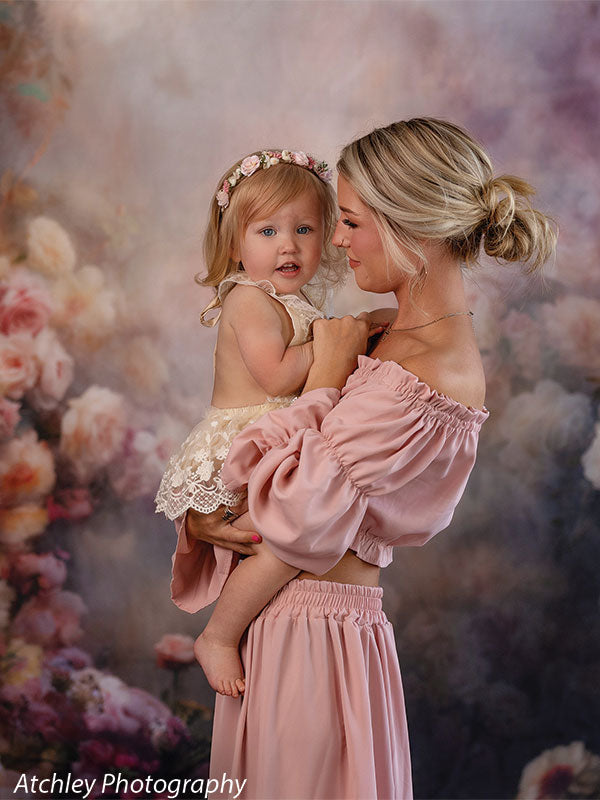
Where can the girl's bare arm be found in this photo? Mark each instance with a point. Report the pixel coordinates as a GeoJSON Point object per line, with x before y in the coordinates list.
{"type": "Point", "coordinates": [276, 367]}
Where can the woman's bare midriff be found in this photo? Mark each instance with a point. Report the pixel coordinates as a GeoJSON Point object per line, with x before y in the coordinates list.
{"type": "Point", "coordinates": [349, 569]}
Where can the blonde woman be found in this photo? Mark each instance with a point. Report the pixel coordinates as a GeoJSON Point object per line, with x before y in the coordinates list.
{"type": "Point", "coordinates": [375, 454]}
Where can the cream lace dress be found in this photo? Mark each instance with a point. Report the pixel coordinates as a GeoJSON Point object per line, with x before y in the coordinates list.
{"type": "Point", "coordinates": [192, 478]}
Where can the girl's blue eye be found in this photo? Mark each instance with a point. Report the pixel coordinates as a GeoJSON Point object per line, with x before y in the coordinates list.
{"type": "Point", "coordinates": [268, 231]}
{"type": "Point", "coordinates": [303, 229]}
{"type": "Point", "coordinates": [348, 223]}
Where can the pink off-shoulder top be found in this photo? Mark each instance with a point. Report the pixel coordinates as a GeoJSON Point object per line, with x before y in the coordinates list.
{"type": "Point", "coordinates": [381, 464]}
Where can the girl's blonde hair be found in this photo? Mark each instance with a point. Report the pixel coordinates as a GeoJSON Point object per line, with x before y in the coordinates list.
{"type": "Point", "coordinates": [427, 179]}
{"type": "Point", "coordinates": [259, 195]}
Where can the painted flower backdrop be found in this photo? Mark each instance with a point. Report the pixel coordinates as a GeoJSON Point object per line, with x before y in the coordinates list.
{"type": "Point", "coordinates": [115, 126]}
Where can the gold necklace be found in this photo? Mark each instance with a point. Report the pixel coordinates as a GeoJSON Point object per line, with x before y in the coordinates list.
{"type": "Point", "coordinates": [387, 331]}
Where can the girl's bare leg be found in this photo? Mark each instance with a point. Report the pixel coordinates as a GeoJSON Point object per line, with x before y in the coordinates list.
{"type": "Point", "coordinates": [247, 591]}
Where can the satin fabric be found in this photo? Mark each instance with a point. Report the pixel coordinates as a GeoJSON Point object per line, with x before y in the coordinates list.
{"type": "Point", "coordinates": [323, 714]}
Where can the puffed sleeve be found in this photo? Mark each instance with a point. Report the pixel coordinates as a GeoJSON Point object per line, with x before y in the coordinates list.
{"type": "Point", "coordinates": [311, 472]}
{"type": "Point", "coordinates": [199, 570]}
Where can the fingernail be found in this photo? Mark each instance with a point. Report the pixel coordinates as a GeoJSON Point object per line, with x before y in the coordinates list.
{"type": "Point", "coordinates": [256, 538]}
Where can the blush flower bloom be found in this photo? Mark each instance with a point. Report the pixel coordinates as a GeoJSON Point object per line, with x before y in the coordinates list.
{"type": "Point", "coordinates": [49, 247]}
{"type": "Point", "coordinates": [55, 369]}
{"type": "Point", "coordinates": [9, 417]}
{"type": "Point", "coordinates": [18, 366]}
{"type": "Point", "coordinates": [174, 651]}
{"type": "Point", "coordinates": [85, 309]}
{"type": "Point", "coordinates": [38, 571]}
{"type": "Point", "coordinates": [25, 305]}
{"type": "Point", "coordinates": [249, 165]}
{"type": "Point", "coordinates": [26, 470]}
{"type": "Point", "coordinates": [50, 620]}
{"type": "Point", "coordinates": [21, 523]}
{"type": "Point", "coordinates": [93, 430]}
{"type": "Point", "coordinates": [555, 773]}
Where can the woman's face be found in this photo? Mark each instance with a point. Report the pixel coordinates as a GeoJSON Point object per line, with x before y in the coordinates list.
{"type": "Point", "coordinates": [357, 232]}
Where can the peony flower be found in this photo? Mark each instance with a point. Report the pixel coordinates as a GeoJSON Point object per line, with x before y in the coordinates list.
{"type": "Point", "coordinates": [590, 460]}
{"type": "Point", "coordinates": [19, 524]}
{"type": "Point", "coordinates": [25, 305]}
{"type": "Point", "coordinates": [112, 706]}
{"type": "Point", "coordinates": [18, 366]}
{"type": "Point", "coordinates": [92, 430]}
{"type": "Point", "coordinates": [174, 651]}
{"type": "Point", "coordinates": [556, 772]}
{"type": "Point", "coordinates": [71, 504]}
{"type": "Point", "coordinates": [572, 328]}
{"type": "Point", "coordinates": [7, 596]}
{"type": "Point", "coordinates": [49, 248]}
{"type": "Point", "coordinates": [249, 165]}
{"type": "Point", "coordinates": [26, 470]}
{"type": "Point", "coordinates": [9, 417]}
{"type": "Point", "coordinates": [21, 662]}
{"type": "Point", "coordinates": [50, 620]}
{"type": "Point", "coordinates": [84, 307]}
{"type": "Point", "coordinates": [300, 158]}
{"type": "Point", "coordinates": [56, 368]}
{"type": "Point", "coordinates": [38, 571]}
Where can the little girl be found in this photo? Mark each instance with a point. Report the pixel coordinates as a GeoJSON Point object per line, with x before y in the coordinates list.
{"type": "Point", "coordinates": [268, 252]}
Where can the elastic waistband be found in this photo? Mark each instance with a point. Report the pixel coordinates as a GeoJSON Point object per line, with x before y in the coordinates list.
{"type": "Point", "coordinates": [328, 595]}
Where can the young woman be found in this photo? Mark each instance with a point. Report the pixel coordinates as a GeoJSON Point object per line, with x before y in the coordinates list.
{"type": "Point", "coordinates": [375, 454]}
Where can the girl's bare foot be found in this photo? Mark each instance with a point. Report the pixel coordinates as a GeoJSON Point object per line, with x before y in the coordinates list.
{"type": "Point", "coordinates": [221, 664]}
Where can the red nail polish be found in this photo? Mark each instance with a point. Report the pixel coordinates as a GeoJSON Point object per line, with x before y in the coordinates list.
{"type": "Point", "coordinates": [256, 538]}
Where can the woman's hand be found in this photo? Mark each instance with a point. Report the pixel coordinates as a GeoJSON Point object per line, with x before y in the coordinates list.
{"type": "Point", "coordinates": [236, 535]}
{"type": "Point", "coordinates": [337, 343]}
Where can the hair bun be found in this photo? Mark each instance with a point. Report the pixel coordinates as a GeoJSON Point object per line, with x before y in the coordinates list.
{"type": "Point", "coordinates": [513, 229]}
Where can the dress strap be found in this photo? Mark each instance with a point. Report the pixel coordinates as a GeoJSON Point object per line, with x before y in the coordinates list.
{"type": "Point", "coordinates": [301, 312]}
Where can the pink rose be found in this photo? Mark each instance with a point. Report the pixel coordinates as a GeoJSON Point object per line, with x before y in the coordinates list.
{"type": "Point", "coordinates": [25, 305]}
{"type": "Point", "coordinates": [300, 158]}
{"type": "Point", "coordinates": [50, 620]}
{"type": "Point", "coordinates": [55, 371]}
{"type": "Point", "coordinates": [174, 651]}
{"type": "Point", "coordinates": [18, 366]}
{"type": "Point", "coordinates": [93, 430]}
{"type": "Point", "coordinates": [249, 165]}
{"type": "Point", "coordinates": [71, 504]}
{"type": "Point", "coordinates": [26, 470]}
{"type": "Point", "coordinates": [223, 198]}
{"type": "Point", "coordinates": [9, 417]}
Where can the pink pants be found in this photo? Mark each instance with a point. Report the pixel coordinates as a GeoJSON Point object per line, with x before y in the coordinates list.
{"type": "Point", "coordinates": [323, 714]}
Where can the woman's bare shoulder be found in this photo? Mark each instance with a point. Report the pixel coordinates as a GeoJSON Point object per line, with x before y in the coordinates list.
{"type": "Point", "coordinates": [458, 374]}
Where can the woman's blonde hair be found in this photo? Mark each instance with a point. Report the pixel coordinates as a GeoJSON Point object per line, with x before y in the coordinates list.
{"type": "Point", "coordinates": [427, 179]}
{"type": "Point", "coordinates": [259, 195]}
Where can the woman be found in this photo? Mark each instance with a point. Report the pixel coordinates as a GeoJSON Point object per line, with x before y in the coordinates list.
{"type": "Point", "coordinates": [366, 459]}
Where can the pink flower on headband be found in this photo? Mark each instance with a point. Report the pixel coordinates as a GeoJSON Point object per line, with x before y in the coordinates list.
{"type": "Point", "coordinates": [249, 165]}
{"type": "Point", "coordinates": [223, 198]}
{"type": "Point", "coordinates": [300, 158]}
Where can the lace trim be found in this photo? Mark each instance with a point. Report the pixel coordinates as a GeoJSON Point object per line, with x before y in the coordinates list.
{"type": "Point", "coordinates": [302, 313]}
{"type": "Point", "coordinates": [192, 478]}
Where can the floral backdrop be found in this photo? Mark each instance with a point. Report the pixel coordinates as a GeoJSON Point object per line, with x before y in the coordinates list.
{"type": "Point", "coordinates": [115, 121]}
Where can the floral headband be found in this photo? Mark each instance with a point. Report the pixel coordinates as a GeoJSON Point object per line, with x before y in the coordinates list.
{"type": "Point", "coordinates": [266, 159]}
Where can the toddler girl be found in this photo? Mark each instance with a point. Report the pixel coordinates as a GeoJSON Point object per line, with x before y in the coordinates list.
{"type": "Point", "coordinates": [269, 254]}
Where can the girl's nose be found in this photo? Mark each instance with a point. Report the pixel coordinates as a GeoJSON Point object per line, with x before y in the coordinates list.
{"type": "Point", "coordinates": [287, 244]}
